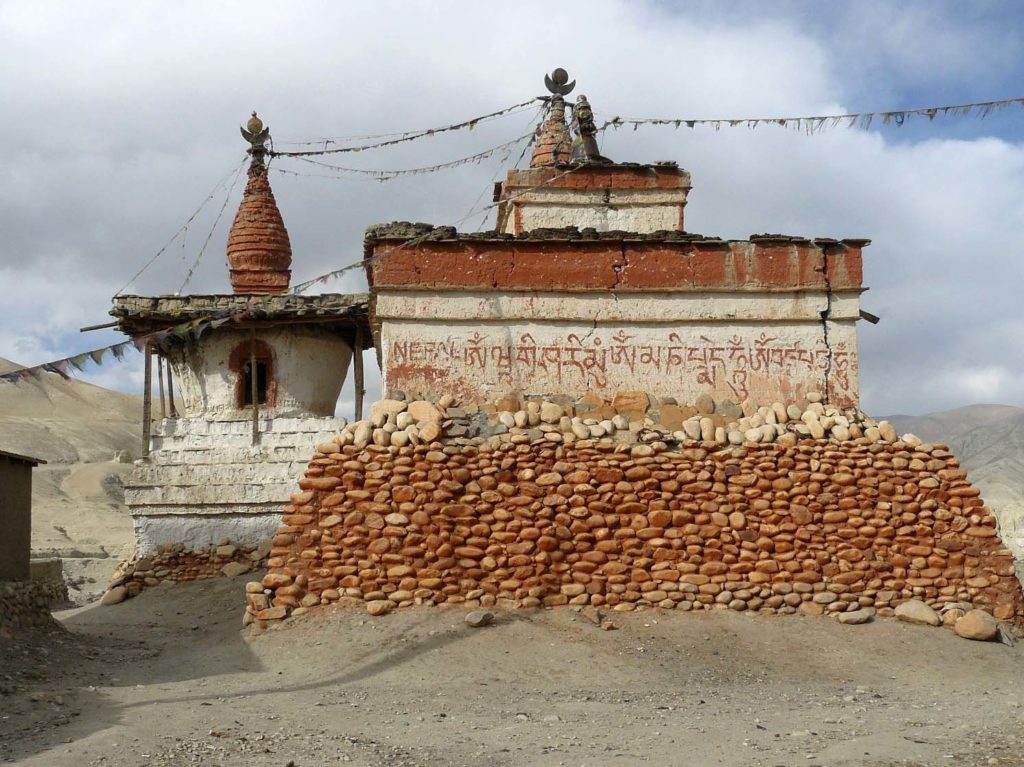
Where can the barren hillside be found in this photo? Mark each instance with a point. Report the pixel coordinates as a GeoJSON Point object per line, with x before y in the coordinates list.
{"type": "Point", "coordinates": [78, 511]}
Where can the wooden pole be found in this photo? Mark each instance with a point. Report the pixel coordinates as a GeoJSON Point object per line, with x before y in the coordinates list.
{"type": "Point", "coordinates": [357, 369]}
{"type": "Point", "coordinates": [147, 400]}
{"type": "Point", "coordinates": [160, 380]}
{"type": "Point", "coordinates": [170, 392]}
{"type": "Point", "coordinates": [253, 389]}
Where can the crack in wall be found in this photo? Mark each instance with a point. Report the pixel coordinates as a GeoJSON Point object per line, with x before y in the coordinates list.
{"type": "Point", "coordinates": [618, 269]}
{"type": "Point", "coordinates": [826, 314]}
{"type": "Point", "coordinates": [593, 329]}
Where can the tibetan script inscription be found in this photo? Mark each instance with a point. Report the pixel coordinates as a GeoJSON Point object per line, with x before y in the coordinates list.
{"type": "Point", "coordinates": [737, 365]}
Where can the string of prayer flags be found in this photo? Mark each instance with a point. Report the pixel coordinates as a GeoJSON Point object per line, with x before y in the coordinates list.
{"type": "Point", "coordinates": [817, 123]}
{"type": "Point", "coordinates": [65, 366]}
{"type": "Point", "coordinates": [404, 137]}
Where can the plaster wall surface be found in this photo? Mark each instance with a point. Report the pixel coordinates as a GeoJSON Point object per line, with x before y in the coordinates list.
{"type": "Point", "coordinates": [205, 481]}
{"type": "Point", "coordinates": [674, 316]}
{"type": "Point", "coordinates": [632, 198]}
{"type": "Point", "coordinates": [15, 519]}
{"type": "Point", "coordinates": [309, 368]}
{"type": "Point", "coordinates": [631, 211]}
{"type": "Point", "coordinates": [619, 307]}
{"type": "Point", "coordinates": [196, 533]}
{"type": "Point", "coordinates": [481, 360]}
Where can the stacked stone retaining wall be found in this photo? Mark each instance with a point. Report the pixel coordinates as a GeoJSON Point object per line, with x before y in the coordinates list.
{"type": "Point", "coordinates": [814, 526]}
{"type": "Point", "coordinates": [178, 564]}
{"type": "Point", "coordinates": [25, 603]}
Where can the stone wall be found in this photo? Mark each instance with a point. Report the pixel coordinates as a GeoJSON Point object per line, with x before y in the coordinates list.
{"type": "Point", "coordinates": [48, 574]}
{"type": "Point", "coordinates": [25, 603]}
{"type": "Point", "coordinates": [175, 563]}
{"type": "Point", "coordinates": [817, 526]}
{"type": "Point", "coordinates": [205, 481]}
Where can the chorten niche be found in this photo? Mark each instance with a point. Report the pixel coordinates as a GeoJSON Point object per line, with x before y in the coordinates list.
{"type": "Point", "coordinates": [259, 251]}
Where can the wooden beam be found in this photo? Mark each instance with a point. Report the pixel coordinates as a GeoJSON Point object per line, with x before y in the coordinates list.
{"type": "Point", "coordinates": [170, 392]}
{"type": "Point", "coordinates": [160, 380]}
{"type": "Point", "coordinates": [147, 399]}
{"type": "Point", "coordinates": [87, 328]}
{"type": "Point", "coordinates": [357, 369]}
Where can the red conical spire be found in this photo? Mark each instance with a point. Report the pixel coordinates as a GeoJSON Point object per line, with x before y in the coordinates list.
{"type": "Point", "coordinates": [259, 251]}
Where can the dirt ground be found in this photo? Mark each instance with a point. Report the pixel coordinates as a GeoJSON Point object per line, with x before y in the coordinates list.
{"type": "Point", "coordinates": [170, 678]}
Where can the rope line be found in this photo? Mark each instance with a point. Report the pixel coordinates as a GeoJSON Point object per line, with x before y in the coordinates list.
{"type": "Point", "coordinates": [471, 123]}
{"type": "Point", "coordinates": [303, 286]}
{"type": "Point", "coordinates": [327, 140]}
{"type": "Point", "coordinates": [815, 123]}
{"type": "Point", "coordinates": [385, 175]}
{"type": "Point", "coordinates": [220, 213]}
{"type": "Point", "coordinates": [183, 228]}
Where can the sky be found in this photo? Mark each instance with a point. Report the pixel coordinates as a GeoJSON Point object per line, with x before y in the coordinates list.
{"type": "Point", "coordinates": [119, 120]}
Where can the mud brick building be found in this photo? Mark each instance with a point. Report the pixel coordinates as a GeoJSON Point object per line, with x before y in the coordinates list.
{"type": "Point", "coordinates": [588, 405]}
{"type": "Point", "coordinates": [648, 417]}
{"type": "Point", "coordinates": [24, 597]}
{"type": "Point", "coordinates": [590, 283]}
{"type": "Point", "coordinates": [16, 515]}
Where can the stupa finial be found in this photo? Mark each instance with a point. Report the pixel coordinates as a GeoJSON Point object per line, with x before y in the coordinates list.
{"type": "Point", "coordinates": [259, 250]}
{"type": "Point", "coordinates": [554, 142]}
{"type": "Point", "coordinates": [257, 135]}
{"type": "Point", "coordinates": [558, 82]}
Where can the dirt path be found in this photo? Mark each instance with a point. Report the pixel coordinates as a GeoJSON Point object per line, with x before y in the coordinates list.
{"type": "Point", "coordinates": [169, 678]}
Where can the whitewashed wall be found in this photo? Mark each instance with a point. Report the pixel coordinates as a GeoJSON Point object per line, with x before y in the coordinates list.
{"type": "Point", "coordinates": [478, 346]}
{"type": "Point", "coordinates": [309, 370]}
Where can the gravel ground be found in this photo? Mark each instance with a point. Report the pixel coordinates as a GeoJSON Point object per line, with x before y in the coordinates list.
{"type": "Point", "coordinates": [169, 678]}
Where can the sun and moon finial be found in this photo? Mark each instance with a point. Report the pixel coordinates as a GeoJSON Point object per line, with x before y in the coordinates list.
{"type": "Point", "coordinates": [558, 82]}
{"type": "Point", "coordinates": [257, 135]}
{"type": "Point", "coordinates": [584, 147]}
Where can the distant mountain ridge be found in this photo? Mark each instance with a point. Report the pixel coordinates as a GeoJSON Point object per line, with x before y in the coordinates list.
{"type": "Point", "coordinates": [67, 420]}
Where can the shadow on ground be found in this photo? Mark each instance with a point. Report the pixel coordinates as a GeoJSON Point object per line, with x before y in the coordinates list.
{"type": "Point", "coordinates": [56, 682]}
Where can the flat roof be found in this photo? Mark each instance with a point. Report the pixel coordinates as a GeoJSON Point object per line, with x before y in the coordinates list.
{"type": "Point", "coordinates": [138, 315]}
{"type": "Point", "coordinates": [404, 230]}
{"type": "Point", "coordinates": [22, 458]}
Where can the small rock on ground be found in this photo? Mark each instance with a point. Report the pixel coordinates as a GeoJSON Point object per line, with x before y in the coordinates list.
{"type": "Point", "coordinates": [916, 611]}
{"type": "Point", "coordinates": [378, 607]}
{"type": "Point", "coordinates": [479, 618]}
{"type": "Point", "coordinates": [856, 617]}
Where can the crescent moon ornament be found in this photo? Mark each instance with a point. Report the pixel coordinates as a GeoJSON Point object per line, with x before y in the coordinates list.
{"type": "Point", "coordinates": [557, 82]}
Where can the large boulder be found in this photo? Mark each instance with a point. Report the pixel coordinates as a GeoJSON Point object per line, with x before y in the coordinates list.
{"type": "Point", "coordinates": [977, 624]}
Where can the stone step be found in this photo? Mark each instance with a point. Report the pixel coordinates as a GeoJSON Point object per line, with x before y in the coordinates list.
{"type": "Point", "coordinates": [200, 496]}
{"type": "Point", "coordinates": [170, 427]}
{"type": "Point", "coordinates": [228, 455]}
{"type": "Point", "coordinates": [267, 441]}
{"type": "Point", "coordinates": [216, 474]}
